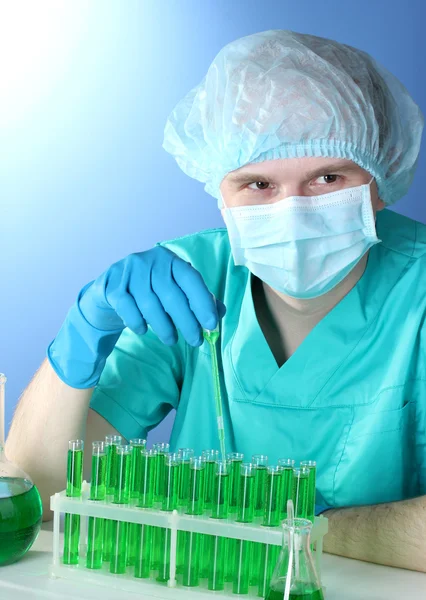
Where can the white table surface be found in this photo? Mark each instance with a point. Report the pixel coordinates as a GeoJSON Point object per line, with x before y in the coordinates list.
{"type": "Point", "coordinates": [344, 579]}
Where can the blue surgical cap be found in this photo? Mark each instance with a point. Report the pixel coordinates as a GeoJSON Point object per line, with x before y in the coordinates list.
{"type": "Point", "coordinates": [280, 94]}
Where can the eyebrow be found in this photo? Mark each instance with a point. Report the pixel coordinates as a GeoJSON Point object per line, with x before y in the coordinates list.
{"type": "Point", "coordinates": [327, 169]}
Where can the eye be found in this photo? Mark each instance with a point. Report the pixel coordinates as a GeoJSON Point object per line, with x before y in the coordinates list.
{"type": "Point", "coordinates": [328, 178]}
{"type": "Point", "coordinates": [260, 185]}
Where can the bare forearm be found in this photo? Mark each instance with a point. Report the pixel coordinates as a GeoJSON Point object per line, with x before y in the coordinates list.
{"type": "Point", "coordinates": [49, 414]}
{"type": "Point", "coordinates": [391, 534]}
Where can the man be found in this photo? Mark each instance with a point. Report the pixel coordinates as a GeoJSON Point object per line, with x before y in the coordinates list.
{"type": "Point", "coordinates": [304, 142]}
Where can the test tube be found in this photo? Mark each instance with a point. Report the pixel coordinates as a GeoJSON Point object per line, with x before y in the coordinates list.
{"type": "Point", "coordinates": [97, 493]}
{"type": "Point", "coordinates": [220, 509]}
{"type": "Point", "coordinates": [300, 492]}
{"type": "Point", "coordinates": [245, 514]}
{"type": "Point", "coordinates": [137, 445]}
{"type": "Point", "coordinates": [144, 533]}
{"type": "Point", "coordinates": [271, 518]}
{"type": "Point", "coordinates": [185, 455]}
{"type": "Point", "coordinates": [74, 484]}
{"type": "Point", "coordinates": [119, 529]}
{"type": "Point", "coordinates": [312, 466]}
{"type": "Point", "coordinates": [111, 443]}
{"type": "Point", "coordinates": [236, 460]}
{"type": "Point", "coordinates": [287, 465]}
{"type": "Point", "coordinates": [171, 484]}
{"type": "Point", "coordinates": [162, 449]}
{"type": "Point", "coordinates": [192, 541]}
{"type": "Point", "coordinates": [260, 462]}
{"type": "Point", "coordinates": [210, 457]}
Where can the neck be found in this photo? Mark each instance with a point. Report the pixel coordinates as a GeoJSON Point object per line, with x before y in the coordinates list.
{"type": "Point", "coordinates": [322, 304]}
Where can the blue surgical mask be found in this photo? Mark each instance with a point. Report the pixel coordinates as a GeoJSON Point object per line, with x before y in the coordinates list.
{"type": "Point", "coordinates": [303, 246]}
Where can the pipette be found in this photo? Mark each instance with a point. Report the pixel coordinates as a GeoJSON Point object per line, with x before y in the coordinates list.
{"type": "Point", "coordinates": [211, 336]}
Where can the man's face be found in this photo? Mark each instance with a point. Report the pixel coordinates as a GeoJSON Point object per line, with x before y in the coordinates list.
{"type": "Point", "coordinates": [273, 180]}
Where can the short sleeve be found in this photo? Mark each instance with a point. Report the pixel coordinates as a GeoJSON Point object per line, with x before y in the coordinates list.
{"type": "Point", "coordinates": [140, 383]}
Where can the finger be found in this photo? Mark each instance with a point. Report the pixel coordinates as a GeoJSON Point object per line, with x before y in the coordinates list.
{"type": "Point", "coordinates": [152, 310]}
{"type": "Point", "coordinates": [128, 311]}
{"type": "Point", "coordinates": [175, 303]}
{"type": "Point", "coordinates": [201, 301]}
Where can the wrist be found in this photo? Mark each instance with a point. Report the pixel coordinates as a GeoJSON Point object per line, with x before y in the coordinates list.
{"type": "Point", "coordinates": [80, 350]}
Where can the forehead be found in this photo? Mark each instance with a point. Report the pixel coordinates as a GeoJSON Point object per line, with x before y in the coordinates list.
{"type": "Point", "coordinates": [292, 168]}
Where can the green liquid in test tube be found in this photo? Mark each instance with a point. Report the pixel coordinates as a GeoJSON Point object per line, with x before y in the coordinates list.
{"type": "Point", "coordinates": [162, 451]}
{"type": "Point", "coordinates": [171, 485]}
{"type": "Point", "coordinates": [119, 529]}
{"type": "Point", "coordinates": [312, 466]}
{"type": "Point", "coordinates": [287, 465]}
{"type": "Point", "coordinates": [268, 555]}
{"type": "Point", "coordinates": [192, 541]}
{"type": "Point", "coordinates": [97, 493]}
{"type": "Point", "coordinates": [111, 443]}
{"type": "Point", "coordinates": [261, 464]}
{"type": "Point", "coordinates": [220, 509]}
{"type": "Point", "coordinates": [212, 336]}
{"type": "Point", "coordinates": [210, 457]}
{"type": "Point", "coordinates": [300, 492]}
{"type": "Point", "coordinates": [137, 445]}
{"type": "Point", "coordinates": [236, 460]}
{"type": "Point", "coordinates": [144, 534]}
{"type": "Point", "coordinates": [185, 455]}
{"type": "Point", "coordinates": [245, 514]}
{"type": "Point", "coordinates": [74, 484]}
{"type": "Point", "coordinates": [260, 461]}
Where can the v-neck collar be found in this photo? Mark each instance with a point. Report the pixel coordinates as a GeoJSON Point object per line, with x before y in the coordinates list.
{"type": "Point", "coordinates": [299, 381]}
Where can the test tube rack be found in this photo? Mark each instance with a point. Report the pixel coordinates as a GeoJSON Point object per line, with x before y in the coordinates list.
{"type": "Point", "coordinates": [174, 521]}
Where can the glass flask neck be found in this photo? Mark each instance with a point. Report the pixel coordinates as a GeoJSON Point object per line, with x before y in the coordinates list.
{"type": "Point", "coordinates": [10, 470]}
{"type": "Point", "coordinates": [300, 531]}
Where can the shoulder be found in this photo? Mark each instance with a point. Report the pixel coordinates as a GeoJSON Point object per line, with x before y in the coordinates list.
{"type": "Point", "coordinates": [401, 234]}
{"type": "Point", "coordinates": [202, 247]}
{"type": "Point", "coordinates": [210, 237]}
{"type": "Point", "coordinates": [209, 252]}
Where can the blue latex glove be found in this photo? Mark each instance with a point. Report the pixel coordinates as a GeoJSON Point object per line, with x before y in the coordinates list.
{"type": "Point", "coordinates": [154, 288]}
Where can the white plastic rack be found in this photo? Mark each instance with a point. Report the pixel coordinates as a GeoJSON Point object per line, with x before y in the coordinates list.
{"type": "Point", "coordinates": [175, 521]}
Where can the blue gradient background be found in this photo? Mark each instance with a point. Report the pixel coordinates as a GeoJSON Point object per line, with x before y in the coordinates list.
{"type": "Point", "coordinates": [83, 178]}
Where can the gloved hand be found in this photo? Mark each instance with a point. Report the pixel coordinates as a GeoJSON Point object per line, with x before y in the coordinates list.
{"type": "Point", "coordinates": [154, 288]}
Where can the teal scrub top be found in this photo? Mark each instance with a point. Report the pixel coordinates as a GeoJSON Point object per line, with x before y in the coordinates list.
{"type": "Point", "coordinates": [352, 396]}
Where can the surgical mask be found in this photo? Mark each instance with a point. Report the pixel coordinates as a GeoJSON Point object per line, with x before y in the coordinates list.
{"type": "Point", "coordinates": [303, 246]}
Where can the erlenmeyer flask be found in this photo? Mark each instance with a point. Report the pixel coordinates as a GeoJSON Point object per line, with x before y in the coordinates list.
{"type": "Point", "coordinates": [20, 503]}
{"type": "Point", "coordinates": [304, 581]}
